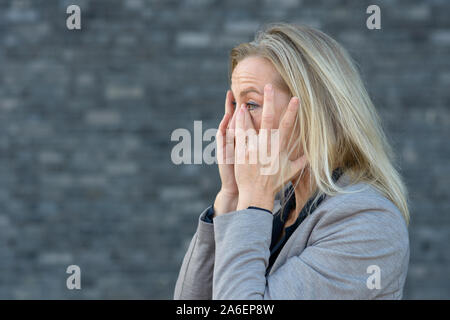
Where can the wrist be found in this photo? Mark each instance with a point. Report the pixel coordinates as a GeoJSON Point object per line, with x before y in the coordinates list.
{"type": "Point", "coordinates": [228, 194]}
{"type": "Point", "coordinates": [264, 201]}
{"type": "Point", "coordinates": [225, 202]}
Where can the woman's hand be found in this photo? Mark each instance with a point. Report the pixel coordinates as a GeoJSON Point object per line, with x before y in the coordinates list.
{"type": "Point", "coordinates": [227, 198]}
{"type": "Point", "coordinates": [258, 184]}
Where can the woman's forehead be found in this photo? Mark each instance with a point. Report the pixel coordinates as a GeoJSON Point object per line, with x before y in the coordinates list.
{"type": "Point", "coordinates": [253, 69]}
{"type": "Point", "coordinates": [254, 72]}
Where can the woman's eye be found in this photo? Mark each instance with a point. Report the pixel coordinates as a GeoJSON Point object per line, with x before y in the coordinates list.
{"type": "Point", "coordinates": [252, 106]}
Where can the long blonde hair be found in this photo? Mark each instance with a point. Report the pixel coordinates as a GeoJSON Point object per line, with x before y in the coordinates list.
{"type": "Point", "coordinates": [337, 123]}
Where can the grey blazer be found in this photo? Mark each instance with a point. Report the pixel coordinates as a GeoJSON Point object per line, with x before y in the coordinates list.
{"type": "Point", "coordinates": [353, 246]}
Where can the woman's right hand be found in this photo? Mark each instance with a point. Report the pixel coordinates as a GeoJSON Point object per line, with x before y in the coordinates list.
{"type": "Point", "coordinates": [227, 198]}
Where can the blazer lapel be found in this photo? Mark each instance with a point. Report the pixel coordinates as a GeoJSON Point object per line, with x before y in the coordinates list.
{"type": "Point", "coordinates": [343, 180]}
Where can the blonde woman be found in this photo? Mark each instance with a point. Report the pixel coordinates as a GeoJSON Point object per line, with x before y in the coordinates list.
{"type": "Point", "coordinates": [331, 222]}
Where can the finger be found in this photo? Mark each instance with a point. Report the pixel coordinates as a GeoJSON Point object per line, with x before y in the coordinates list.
{"type": "Point", "coordinates": [230, 134]}
{"type": "Point", "coordinates": [268, 112]}
{"type": "Point", "coordinates": [251, 137]}
{"type": "Point", "coordinates": [222, 131]}
{"type": "Point", "coordinates": [240, 136]}
{"type": "Point", "coordinates": [229, 147]}
{"type": "Point", "coordinates": [229, 140]}
{"type": "Point", "coordinates": [248, 122]}
{"type": "Point", "coordinates": [232, 123]}
{"type": "Point", "coordinates": [229, 108]}
{"type": "Point", "coordinates": [220, 139]}
{"type": "Point", "coordinates": [224, 123]}
{"type": "Point", "coordinates": [220, 148]}
{"type": "Point", "coordinates": [240, 117]}
{"type": "Point", "coordinates": [287, 122]}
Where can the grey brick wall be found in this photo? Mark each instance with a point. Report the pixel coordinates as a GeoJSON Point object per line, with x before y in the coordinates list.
{"type": "Point", "coordinates": [86, 118]}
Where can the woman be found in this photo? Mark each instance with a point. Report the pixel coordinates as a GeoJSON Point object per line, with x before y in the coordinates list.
{"type": "Point", "coordinates": [330, 221]}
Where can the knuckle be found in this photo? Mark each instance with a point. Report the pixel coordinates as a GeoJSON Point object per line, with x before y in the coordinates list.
{"type": "Point", "coordinates": [286, 124]}
{"type": "Point", "coordinates": [267, 117]}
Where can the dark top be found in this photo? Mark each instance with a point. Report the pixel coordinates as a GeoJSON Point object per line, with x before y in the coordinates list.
{"type": "Point", "coordinates": [280, 218]}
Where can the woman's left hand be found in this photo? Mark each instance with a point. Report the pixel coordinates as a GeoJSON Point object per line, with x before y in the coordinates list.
{"type": "Point", "coordinates": [258, 182]}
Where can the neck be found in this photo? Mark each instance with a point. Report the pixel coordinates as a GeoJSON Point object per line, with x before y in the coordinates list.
{"type": "Point", "coordinates": [302, 194]}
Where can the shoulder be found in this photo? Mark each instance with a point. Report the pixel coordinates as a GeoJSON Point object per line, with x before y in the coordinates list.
{"type": "Point", "coordinates": [361, 199]}
{"type": "Point", "coordinates": [363, 214]}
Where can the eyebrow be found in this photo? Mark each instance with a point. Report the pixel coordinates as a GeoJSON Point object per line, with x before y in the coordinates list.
{"type": "Point", "coordinates": [248, 90]}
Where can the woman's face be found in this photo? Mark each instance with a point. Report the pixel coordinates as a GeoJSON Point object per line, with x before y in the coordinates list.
{"type": "Point", "coordinates": [247, 84]}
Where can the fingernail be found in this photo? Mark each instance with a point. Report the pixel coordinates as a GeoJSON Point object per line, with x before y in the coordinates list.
{"type": "Point", "coordinates": [268, 87]}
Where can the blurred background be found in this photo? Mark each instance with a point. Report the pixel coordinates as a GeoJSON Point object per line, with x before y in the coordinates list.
{"type": "Point", "coordinates": [86, 117]}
